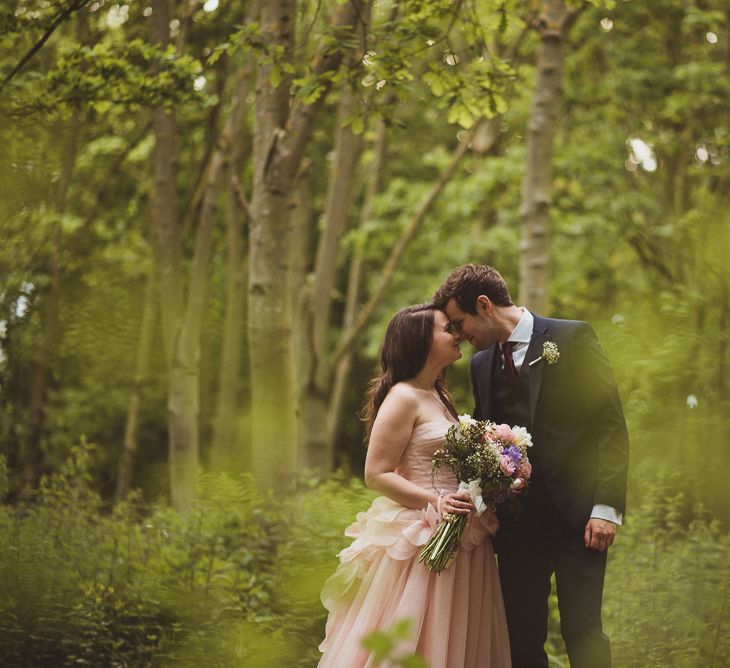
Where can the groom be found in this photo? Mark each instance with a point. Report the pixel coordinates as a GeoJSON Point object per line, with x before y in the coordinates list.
{"type": "Point", "coordinates": [552, 377]}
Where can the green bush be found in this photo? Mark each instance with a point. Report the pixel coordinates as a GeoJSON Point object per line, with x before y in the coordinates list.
{"type": "Point", "coordinates": [667, 586]}
{"type": "Point", "coordinates": [128, 588]}
{"type": "Point", "coordinates": [668, 582]}
{"type": "Point", "coordinates": [236, 582]}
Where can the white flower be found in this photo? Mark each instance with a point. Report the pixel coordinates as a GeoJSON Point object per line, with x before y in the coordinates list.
{"type": "Point", "coordinates": [522, 436]}
{"type": "Point", "coordinates": [474, 490]}
{"type": "Point", "coordinates": [466, 421]}
{"type": "Point", "coordinates": [550, 353]}
{"type": "Point", "coordinates": [692, 401]}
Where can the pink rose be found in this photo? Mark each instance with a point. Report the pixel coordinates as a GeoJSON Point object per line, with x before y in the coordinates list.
{"type": "Point", "coordinates": [507, 464]}
{"type": "Point", "coordinates": [524, 470]}
{"type": "Point", "coordinates": [503, 432]}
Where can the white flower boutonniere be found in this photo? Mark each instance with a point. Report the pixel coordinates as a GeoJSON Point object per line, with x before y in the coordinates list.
{"type": "Point", "coordinates": [550, 353]}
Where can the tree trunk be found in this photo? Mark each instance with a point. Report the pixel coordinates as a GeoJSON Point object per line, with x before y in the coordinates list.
{"type": "Point", "coordinates": [280, 140]}
{"type": "Point", "coordinates": [310, 414]}
{"type": "Point", "coordinates": [141, 371]}
{"type": "Point", "coordinates": [722, 345]}
{"type": "Point", "coordinates": [354, 289]}
{"type": "Point", "coordinates": [164, 200]}
{"type": "Point", "coordinates": [226, 449]}
{"type": "Point", "coordinates": [182, 389]}
{"type": "Point", "coordinates": [314, 387]}
{"type": "Point", "coordinates": [269, 318]}
{"type": "Point", "coordinates": [554, 23]}
{"type": "Point", "coordinates": [50, 304]}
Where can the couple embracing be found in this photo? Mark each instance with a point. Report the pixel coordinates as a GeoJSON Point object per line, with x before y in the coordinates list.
{"type": "Point", "coordinates": [481, 612]}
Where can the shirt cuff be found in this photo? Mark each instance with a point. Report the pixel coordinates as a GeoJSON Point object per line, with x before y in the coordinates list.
{"type": "Point", "coordinates": [603, 512]}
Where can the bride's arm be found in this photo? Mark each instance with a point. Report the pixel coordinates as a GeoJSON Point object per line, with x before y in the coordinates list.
{"type": "Point", "coordinates": [388, 439]}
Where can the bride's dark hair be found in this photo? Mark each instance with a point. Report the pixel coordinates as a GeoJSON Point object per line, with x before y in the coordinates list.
{"type": "Point", "coordinates": [403, 353]}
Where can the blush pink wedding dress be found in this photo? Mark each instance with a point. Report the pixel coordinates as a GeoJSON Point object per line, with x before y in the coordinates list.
{"type": "Point", "coordinates": [457, 618]}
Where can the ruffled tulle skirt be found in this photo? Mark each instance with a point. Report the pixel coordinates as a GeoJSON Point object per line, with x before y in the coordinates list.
{"type": "Point", "coordinates": [456, 618]}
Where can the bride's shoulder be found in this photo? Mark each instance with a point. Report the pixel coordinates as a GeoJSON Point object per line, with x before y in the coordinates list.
{"type": "Point", "coordinates": [403, 390]}
{"type": "Point", "coordinates": [403, 394]}
{"type": "Point", "coordinates": [401, 400]}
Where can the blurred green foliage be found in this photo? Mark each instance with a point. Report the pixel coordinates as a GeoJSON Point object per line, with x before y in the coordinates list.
{"type": "Point", "coordinates": [236, 582]}
{"type": "Point", "coordinates": [383, 645]}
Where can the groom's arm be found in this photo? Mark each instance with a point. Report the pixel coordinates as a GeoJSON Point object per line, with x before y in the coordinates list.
{"type": "Point", "coordinates": [604, 413]}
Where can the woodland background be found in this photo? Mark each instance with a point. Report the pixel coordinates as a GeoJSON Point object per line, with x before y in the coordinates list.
{"type": "Point", "coordinates": [210, 210]}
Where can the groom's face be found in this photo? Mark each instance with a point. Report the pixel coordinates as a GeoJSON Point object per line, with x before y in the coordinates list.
{"type": "Point", "coordinates": [478, 329]}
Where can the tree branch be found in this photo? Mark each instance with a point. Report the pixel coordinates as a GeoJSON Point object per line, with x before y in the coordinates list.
{"type": "Point", "coordinates": [73, 7]}
{"type": "Point", "coordinates": [408, 233]}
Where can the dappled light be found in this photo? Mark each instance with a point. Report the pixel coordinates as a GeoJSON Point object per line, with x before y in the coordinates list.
{"type": "Point", "coordinates": [641, 154]}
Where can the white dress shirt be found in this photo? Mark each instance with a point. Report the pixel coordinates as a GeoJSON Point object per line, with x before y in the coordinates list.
{"type": "Point", "coordinates": [521, 336]}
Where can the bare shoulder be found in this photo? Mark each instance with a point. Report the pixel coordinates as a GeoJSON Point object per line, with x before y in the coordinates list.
{"type": "Point", "coordinates": [403, 396]}
{"type": "Point", "coordinates": [400, 407]}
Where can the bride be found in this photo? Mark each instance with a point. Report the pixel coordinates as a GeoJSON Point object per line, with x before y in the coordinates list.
{"type": "Point", "coordinates": [456, 618]}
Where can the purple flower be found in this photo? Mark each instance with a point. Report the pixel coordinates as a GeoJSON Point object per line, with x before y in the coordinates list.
{"type": "Point", "coordinates": [513, 452]}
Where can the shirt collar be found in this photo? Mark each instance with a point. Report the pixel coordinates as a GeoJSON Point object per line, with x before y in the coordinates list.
{"type": "Point", "coordinates": [523, 331]}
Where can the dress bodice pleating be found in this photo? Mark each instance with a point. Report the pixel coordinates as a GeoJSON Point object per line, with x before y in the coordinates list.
{"type": "Point", "coordinates": [416, 463]}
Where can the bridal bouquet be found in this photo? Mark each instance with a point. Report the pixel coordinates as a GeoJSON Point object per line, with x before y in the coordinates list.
{"type": "Point", "coordinates": [490, 461]}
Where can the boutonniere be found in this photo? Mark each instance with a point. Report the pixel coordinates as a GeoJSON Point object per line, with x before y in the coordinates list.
{"type": "Point", "coordinates": [550, 353]}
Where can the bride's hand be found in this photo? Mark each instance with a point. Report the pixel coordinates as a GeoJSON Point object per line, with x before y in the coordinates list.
{"type": "Point", "coordinates": [458, 503]}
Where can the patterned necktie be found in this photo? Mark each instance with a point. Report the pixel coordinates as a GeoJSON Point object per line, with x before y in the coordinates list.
{"type": "Point", "coordinates": [508, 364]}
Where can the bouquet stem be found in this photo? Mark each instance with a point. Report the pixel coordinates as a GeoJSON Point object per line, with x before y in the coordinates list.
{"type": "Point", "coordinates": [437, 553]}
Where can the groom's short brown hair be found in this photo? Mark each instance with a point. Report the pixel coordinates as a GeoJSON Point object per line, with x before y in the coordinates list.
{"type": "Point", "coordinates": [467, 282]}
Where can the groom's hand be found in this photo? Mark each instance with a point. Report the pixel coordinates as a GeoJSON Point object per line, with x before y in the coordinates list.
{"type": "Point", "coordinates": [599, 534]}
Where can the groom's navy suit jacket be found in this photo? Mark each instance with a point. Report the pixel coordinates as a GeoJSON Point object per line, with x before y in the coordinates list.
{"type": "Point", "coordinates": [580, 441]}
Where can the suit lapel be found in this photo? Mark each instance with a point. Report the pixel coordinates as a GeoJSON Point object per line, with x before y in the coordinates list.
{"type": "Point", "coordinates": [534, 350]}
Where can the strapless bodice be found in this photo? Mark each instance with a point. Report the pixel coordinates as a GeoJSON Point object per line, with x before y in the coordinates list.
{"type": "Point", "coordinates": [416, 462]}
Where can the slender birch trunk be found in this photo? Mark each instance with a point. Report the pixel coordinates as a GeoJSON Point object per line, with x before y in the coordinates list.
{"type": "Point", "coordinates": [354, 288]}
{"type": "Point", "coordinates": [130, 446]}
{"type": "Point", "coordinates": [554, 23]}
{"type": "Point", "coordinates": [183, 318]}
{"type": "Point", "coordinates": [309, 412]}
{"type": "Point", "coordinates": [315, 385]}
{"type": "Point", "coordinates": [184, 389]}
{"type": "Point", "coordinates": [226, 448]}
{"type": "Point", "coordinates": [182, 452]}
{"type": "Point", "coordinates": [30, 458]}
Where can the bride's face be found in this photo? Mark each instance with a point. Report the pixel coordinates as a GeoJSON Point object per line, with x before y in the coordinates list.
{"type": "Point", "coordinates": [445, 342]}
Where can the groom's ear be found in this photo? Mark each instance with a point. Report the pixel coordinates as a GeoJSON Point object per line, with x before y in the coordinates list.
{"type": "Point", "coordinates": [484, 305]}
